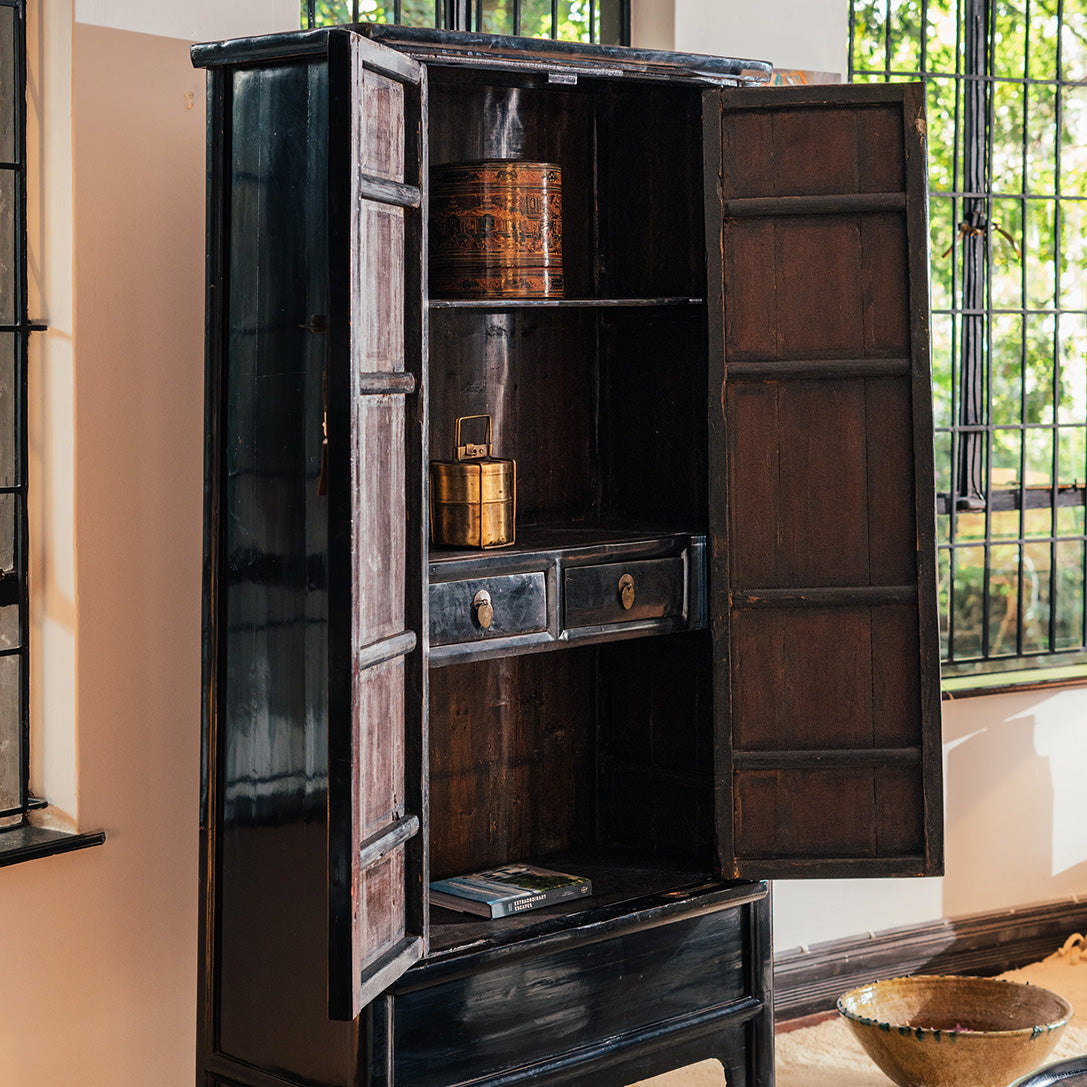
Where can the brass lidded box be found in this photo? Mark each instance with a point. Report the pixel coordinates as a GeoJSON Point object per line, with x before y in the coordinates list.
{"type": "Point", "coordinates": [473, 498]}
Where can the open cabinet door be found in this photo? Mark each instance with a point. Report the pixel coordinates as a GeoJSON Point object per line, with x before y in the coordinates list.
{"type": "Point", "coordinates": [377, 548]}
{"type": "Point", "coordinates": [826, 647]}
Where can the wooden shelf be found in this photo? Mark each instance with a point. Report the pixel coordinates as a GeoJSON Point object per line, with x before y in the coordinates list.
{"type": "Point", "coordinates": [561, 303]}
{"type": "Point", "coordinates": [616, 880]}
{"type": "Point", "coordinates": [598, 541]}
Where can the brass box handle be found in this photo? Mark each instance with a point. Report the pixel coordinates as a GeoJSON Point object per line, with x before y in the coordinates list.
{"type": "Point", "coordinates": [470, 450]}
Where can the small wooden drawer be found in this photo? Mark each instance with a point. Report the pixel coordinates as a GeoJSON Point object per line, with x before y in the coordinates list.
{"type": "Point", "coordinates": [517, 602]}
{"type": "Point", "coordinates": [625, 592]}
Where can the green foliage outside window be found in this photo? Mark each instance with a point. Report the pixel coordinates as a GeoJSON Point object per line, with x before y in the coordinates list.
{"type": "Point", "coordinates": [338, 12]}
{"type": "Point", "coordinates": [573, 19]}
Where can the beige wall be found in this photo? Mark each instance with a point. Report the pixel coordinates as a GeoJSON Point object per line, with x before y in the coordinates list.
{"type": "Point", "coordinates": [190, 20]}
{"type": "Point", "coordinates": [809, 34]}
{"type": "Point", "coordinates": [653, 23]}
{"type": "Point", "coordinates": [100, 946]}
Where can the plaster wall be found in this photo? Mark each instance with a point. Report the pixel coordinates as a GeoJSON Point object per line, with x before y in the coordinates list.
{"type": "Point", "coordinates": [100, 945]}
{"type": "Point", "coordinates": [653, 23]}
{"type": "Point", "coordinates": [194, 20]}
{"type": "Point", "coordinates": [810, 34]}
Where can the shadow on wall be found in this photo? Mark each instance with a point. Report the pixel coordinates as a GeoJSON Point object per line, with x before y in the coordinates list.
{"type": "Point", "coordinates": [1016, 803]}
{"type": "Point", "coordinates": [1002, 804]}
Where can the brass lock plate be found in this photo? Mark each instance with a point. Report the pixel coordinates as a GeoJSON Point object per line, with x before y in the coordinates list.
{"type": "Point", "coordinates": [517, 604]}
{"type": "Point", "coordinates": [482, 608]}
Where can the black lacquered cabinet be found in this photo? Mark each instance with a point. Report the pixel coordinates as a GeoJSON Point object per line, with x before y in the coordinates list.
{"type": "Point", "coordinates": [727, 412]}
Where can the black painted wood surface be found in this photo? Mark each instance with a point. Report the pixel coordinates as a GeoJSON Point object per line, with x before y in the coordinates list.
{"type": "Point", "coordinates": [474, 51]}
{"type": "Point", "coordinates": [656, 590]}
{"type": "Point", "coordinates": [559, 586]}
{"type": "Point", "coordinates": [266, 642]}
{"type": "Point", "coordinates": [615, 1000]}
{"type": "Point", "coordinates": [519, 602]}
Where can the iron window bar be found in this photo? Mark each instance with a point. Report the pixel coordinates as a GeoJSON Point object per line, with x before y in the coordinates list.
{"type": "Point", "coordinates": [14, 589]}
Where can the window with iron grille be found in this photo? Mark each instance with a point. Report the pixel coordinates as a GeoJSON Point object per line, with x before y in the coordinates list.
{"type": "Point", "coordinates": [1007, 130]}
{"type": "Point", "coordinates": [20, 838]}
{"type": "Point", "coordinates": [15, 329]}
{"type": "Point", "coordinates": [606, 22]}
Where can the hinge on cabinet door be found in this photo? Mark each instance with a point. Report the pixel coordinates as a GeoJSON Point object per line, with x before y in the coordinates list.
{"type": "Point", "coordinates": [322, 479]}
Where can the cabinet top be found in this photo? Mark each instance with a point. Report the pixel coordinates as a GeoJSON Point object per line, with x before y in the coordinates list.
{"type": "Point", "coordinates": [559, 61]}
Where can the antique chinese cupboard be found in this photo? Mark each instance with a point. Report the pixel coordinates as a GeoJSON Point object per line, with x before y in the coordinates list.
{"type": "Point", "coordinates": [729, 405]}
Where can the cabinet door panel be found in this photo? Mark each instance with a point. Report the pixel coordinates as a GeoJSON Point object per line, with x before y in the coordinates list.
{"type": "Point", "coordinates": [380, 121]}
{"type": "Point", "coordinates": [379, 695]}
{"type": "Point", "coordinates": [859, 690]}
{"type": "Point", "coordinates": [783, 815]}
{"type": "Point", "coordinates": [817, 501]}
{"type": "Point", "coordinates": [801, 311]}
{"type": "Point", "coordinates": [799, 511]}
{"type": "Point", "coordinates": [858, 147]}
{"type": "Point", "coordinates": [377, 551]}
{"type": "Point", "coordinates": [378, 519]}
{"type": "Point", "coordinates": [826, 654]}
{"type": "Point", "coordinates": [379, 264]}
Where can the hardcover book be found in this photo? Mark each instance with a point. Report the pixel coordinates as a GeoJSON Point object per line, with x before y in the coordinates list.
{"type": "Point", "coordinates": [512, 888]}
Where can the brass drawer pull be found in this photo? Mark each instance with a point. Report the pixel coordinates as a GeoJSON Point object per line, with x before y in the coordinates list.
{"type": "Point", "coordinates": [626, 591]}
{"type": "Point", "coordinates": [482, 608]}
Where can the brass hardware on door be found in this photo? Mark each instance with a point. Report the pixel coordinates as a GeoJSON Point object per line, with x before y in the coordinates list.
{"type": "Point", "coordinates": [482, 608]}
{"type": "Point", "coordinates": [626, 591]}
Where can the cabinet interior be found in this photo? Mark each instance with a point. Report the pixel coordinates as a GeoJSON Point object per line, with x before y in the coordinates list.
{"type": "Point", "coordinates": [595, 757]}
{"type": "Point", "coordinates": [602, 406]}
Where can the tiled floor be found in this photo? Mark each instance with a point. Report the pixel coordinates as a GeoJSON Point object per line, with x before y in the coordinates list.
{"type": "Point", "coordinates": [704, 1074]}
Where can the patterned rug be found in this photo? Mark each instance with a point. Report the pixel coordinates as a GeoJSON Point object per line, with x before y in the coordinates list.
{"type": "Point", "coordinates": [826, 1055]}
